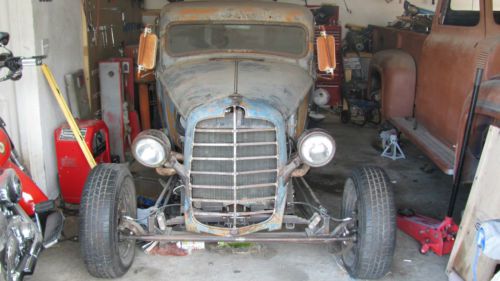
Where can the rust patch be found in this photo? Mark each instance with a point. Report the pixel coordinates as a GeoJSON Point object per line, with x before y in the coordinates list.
{"type": "Point", "coordinates": [197, 11]}
{"type": "Point", "coordinates": [169, 249]}
{"type": "Point", "coordinates": [293, 15]}
{"type": "Point", "coordinates": [301, 118]}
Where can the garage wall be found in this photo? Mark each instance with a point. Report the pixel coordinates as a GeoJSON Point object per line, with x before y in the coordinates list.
{"type": "Point", "coordinates": [37, 114]}
{"type": "Point", "coordinates": [60, 22]}
{"type": "Point", "coordinates": [376, 12]}
{"type": "Point", "coordinates": [20, 102]}
{"type": "Point", "coordinates": [364, 12]}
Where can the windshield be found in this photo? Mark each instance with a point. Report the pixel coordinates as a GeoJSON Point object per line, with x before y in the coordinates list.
{"type": "Point", "coordinates": [208, 37]}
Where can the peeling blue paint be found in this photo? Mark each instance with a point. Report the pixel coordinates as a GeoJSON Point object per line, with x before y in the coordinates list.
{"type": "Point", "coordinates": [253, 109]}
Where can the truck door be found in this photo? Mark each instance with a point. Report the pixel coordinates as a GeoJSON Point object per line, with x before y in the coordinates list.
{"type": "Point", "coordinates": [447, 66]}
{"type": "Point", "coordinates": [493, 36]}
{"type": "Point", "coordinates": [493, 18]}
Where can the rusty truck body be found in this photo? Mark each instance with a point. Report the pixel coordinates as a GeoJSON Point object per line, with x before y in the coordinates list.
{"type": "Point", "coordinates": [427, 81]}
{"type": "Point", "coordinates": [235, 80]}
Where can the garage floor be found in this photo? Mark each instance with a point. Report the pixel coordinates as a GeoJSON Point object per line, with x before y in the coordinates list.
{"type": "Point", "coordinates": [418, 184]}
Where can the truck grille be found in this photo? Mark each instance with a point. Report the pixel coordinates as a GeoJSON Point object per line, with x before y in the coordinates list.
{"type": "Point", "coordinates": [234, 168]}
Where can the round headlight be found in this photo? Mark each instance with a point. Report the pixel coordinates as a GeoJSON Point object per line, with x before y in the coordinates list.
{"type": "Point", "coordinates": [10, 187]}
{"type": "Point", "coordinates": [316, 148]}
{"type": "Point", "coordinates": [151, 148]}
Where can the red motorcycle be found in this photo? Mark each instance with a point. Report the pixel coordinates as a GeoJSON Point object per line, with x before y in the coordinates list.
{"type": "Point", "coordinates": [29, 221]}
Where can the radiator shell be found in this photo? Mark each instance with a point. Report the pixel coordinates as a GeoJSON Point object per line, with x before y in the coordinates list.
{"type": "Point", "coordinates": [254, 109]}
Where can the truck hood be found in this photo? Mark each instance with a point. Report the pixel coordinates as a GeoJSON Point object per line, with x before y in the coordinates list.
{"type": "Point", "coordinates": [191, 84]}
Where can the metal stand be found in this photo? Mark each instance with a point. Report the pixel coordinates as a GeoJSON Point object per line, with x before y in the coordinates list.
{"type": "Point", "coordinates": [391, 146]}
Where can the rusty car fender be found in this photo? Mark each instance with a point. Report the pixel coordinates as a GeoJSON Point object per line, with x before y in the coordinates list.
{"type": "Point", "coordinates": [398, 76]}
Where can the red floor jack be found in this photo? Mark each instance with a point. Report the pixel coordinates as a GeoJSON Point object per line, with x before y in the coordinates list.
{"type": "Point", "coordinates": [435, 235]}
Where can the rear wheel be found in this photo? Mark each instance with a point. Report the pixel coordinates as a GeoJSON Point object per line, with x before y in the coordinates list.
{"type": "Point", "coordinates": [369, 200]}
{"type": "Point", "coordinates": [109, 194]}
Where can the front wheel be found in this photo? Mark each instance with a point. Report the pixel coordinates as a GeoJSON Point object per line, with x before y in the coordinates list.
{"type": "Point", "coordinates": [108, 195]}
{"type": "Point", "coordinates": [369, 200]}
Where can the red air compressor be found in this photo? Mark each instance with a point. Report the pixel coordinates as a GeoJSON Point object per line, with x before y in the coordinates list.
{"type": "Point", "coordinates": [72, 166]}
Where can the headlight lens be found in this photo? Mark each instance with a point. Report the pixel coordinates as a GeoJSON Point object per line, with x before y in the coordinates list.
{"type": "Point", "coordinates": [10, 187]}
{"type": "Point", "coordinates": [316, 148]}
{"type": "Point", "coordinates": [151, 148]}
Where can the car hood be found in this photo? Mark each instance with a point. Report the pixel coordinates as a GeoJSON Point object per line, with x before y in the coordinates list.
{"type": "Point", "coordinates": [191, 84]}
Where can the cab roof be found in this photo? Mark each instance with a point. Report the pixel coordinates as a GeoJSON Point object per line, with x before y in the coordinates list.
{"type": "Point", "coordinates": [236, 11]}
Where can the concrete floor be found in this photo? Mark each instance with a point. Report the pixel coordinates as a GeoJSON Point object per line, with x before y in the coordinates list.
{"type": "Point", "coordinates": [418, 184]}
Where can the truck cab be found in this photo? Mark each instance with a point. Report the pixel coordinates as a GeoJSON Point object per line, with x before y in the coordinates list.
{"type": "Point", "coordinates": [235, 79]}
{"type": "Point", "coordinates": [427, 81]}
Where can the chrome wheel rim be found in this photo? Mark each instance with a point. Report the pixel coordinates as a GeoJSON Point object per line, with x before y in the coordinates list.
{"type": "Point", "coordinates": [125, 207]}
{"type": "Point", "coordinates": [350, 209]}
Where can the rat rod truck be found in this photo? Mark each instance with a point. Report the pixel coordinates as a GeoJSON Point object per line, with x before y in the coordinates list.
{"type": "Point", "coordinates": [237, 79]}
{"type": "Point", "coordinates": [427, 82]}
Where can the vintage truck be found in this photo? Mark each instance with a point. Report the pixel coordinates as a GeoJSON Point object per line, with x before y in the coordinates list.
{"type": "Point", "coordinates": [236, 77]}
{"type": "Point", "coordinates": [427, 81]}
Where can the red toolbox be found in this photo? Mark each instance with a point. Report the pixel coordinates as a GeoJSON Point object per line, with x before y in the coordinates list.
{"type": "Point", "coordinates": [72, 166]}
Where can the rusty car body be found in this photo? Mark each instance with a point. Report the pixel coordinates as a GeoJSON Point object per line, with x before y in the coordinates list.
{"type": "Point", "coordinates": [235, 81]}
{"type": "Point", "coordinates": [427, 81]}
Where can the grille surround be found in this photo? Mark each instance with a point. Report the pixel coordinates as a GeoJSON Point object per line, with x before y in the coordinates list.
{"type": "Point", "coordinates": [258, 109]}
{"type": "Point", "coordinates": [234, 168]}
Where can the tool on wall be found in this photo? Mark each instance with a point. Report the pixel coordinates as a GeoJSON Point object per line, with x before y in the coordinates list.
{"type": "Point", "coordinates": [104, 35]}
{"type": "Point", "coordinates": [117, 10]}
{"type": "Point", "coordinates": [112, 32]}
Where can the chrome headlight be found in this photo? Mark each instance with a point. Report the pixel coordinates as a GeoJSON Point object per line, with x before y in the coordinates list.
{"type": "Point", "coordinates": [151, 148]}
{"type": "Point", "coordinates": [10, 187]}
{"type": "Point", "coordinates": [316, 148]}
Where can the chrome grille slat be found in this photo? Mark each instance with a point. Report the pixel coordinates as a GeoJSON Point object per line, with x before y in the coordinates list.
{"type": "Point", "coordinates": [236, 144]}
{"type": "Point", "coordinates": [231, 159]}
{"type": "Point", "coordinates": [232, 174]}
{"type": "Point", "coordinates": [237, 201]}
{"type": "Point", "coordinates": [231, 187]}
{"type": "Point", "coordinates": [234, 214]}
{"type": "Point", "coordinates": [257, 172]}
{"type": "Point", "coordinates": [201, 130]}
{"type": "Point", "coordinates": [234, 167]}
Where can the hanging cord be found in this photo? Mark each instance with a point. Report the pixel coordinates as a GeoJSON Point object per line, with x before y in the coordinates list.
{"type": "Point", "coordinates": [347, 7]}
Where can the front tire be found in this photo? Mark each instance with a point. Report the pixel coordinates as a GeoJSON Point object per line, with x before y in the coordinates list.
{"type": "Point", "coordinates": [369, 200]}
{"type": "Point", "coordinates": [108, 195]}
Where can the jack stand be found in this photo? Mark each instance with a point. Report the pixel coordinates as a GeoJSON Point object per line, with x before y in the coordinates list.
{"type": "Point", "coordinates": [437, 236]}
{"type": "Point", "coordinates": [392, 149]}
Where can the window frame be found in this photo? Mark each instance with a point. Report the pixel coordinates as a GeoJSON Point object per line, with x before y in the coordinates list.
{"type": "Point", "coordinates": [229, 51]}
{"type": "Point", "coordinates": [446, 10]}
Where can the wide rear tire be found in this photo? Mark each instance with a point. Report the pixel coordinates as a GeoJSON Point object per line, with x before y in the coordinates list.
{"type": "Point", "coordinates": [369, 200]}
{"type": "Point", "coordinates": [108, 195]}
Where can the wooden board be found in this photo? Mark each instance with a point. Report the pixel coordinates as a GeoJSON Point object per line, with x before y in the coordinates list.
{"type": "Point", "coordinates": [482, 205]}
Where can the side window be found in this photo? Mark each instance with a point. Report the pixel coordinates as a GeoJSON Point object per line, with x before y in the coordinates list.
{"type": "Point", "coordinates": [462, 13]}
{"type": "Point", "coordinates": [496, 11]}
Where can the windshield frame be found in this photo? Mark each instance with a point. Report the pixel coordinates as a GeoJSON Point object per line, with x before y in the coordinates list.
{"type": "Point", "coordinates": [237, 51]}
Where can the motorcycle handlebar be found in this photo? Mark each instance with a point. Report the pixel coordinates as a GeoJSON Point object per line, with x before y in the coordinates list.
{"type": "Point", "coordinates": [32, 61]}
{"type": "Point", "coordinates": [15, 65]}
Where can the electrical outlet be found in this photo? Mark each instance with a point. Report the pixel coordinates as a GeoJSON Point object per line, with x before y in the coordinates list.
{"type": "Point", "coordinates": [45, 47]}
